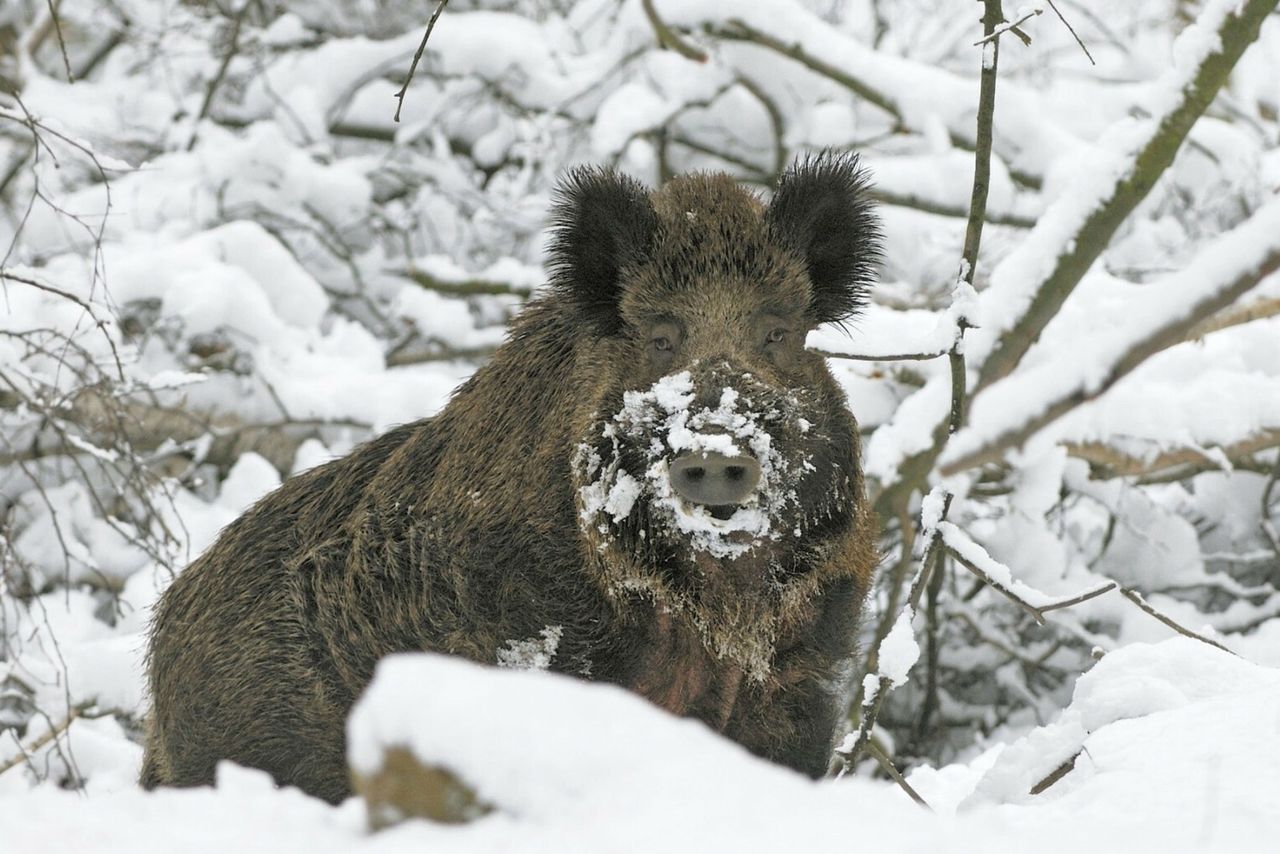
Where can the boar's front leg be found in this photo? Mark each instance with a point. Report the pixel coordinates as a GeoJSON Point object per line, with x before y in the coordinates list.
{"type": "Point", "coordinates": [794, 716]}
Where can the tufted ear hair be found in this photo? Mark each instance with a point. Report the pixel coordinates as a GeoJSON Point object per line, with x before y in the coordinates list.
{"type": "Point", "coordinates": [601, 222]}
{"type": "Point", "coordinates": [823, 211]}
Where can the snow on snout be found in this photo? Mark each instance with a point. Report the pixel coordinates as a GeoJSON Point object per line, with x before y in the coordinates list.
{"type": "Point", "coordinates": [663, 421]}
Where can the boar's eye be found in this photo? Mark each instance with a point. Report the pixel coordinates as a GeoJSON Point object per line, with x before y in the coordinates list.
{"type": "Point", "coordinates": [775, 335]}
{"type": "Point", "coordinates": [661, 343]}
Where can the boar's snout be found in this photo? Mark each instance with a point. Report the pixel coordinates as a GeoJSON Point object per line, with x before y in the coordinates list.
{"type": "Point", "coordinates": [714, 479]}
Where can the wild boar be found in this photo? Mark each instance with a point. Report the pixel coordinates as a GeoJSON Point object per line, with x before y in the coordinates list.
{"type": "Point", "coordinates": [651, 484]}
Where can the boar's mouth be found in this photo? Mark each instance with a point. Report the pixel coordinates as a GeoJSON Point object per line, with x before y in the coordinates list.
{"type": "Point", "coordinates": [722, 512]}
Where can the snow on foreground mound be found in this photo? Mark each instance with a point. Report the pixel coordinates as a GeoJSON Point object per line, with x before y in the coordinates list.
{"type": "Point", "coordinates": [1179, 751]}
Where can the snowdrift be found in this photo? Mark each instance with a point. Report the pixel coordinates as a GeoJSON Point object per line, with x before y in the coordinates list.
{"type": "Point", "coordinates": [1173, 747]}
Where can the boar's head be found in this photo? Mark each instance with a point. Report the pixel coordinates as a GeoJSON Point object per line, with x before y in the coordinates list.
{"type": "Point", "coordinates": [715, 457]}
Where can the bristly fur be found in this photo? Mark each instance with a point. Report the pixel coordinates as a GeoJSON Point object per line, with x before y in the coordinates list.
{"type": "Point", "coordinates": [601, 222]}
{"type": "Point", "coordinates": [823, 210]}
{"type": "Point", "coordinates": [465, 532]}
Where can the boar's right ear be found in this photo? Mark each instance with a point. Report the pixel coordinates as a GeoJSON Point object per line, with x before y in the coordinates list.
{"type": "Point", "coordinates": [823, 211]}
{"type": "Point", "coordinates": [601, 222]}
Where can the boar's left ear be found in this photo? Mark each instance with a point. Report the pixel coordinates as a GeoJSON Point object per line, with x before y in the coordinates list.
{"type": "Point", "coordinates": [601, 222]}
{"type": "Point", "coordinates": [823, 211]}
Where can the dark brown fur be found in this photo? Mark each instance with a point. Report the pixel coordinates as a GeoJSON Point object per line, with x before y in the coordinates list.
{"type": "Point", "coordinates": [468, 530]}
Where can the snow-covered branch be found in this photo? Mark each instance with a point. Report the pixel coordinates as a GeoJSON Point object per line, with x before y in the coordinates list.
{"type": "Point", "coordinates": [1012, 410]}
{"type": "Point", "coordinates": [1113, 181]}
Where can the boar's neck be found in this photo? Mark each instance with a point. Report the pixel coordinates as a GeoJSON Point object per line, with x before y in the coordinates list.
{"type": "Point", "coordinates": [678, 673]}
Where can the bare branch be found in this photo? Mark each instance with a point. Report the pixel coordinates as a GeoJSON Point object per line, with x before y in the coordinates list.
{"type": "Point", "coordinates": [417, 57]}
{"type": "Point", "coordinates": [1072, 30]}
{"type": "Point", "coordinates": [1136, 598]}
{"type": "Point", "coordinates": [889, 768]}
{"type": "Point", "coordinates": [874, 357]}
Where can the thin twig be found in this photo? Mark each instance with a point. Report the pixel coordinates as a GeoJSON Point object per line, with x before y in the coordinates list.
{"type": "Point", "coordinates": [37, 743]}
{"type": "Point", "coordinates": [88, 309]}
{"type": "Point", "coordinates": [417, 57]}
{"type": "Point", "coordinates": [62, 43]}
{"type": "Point", "coordinates": [1083, 597]}
{"type": "Point", "coordinates": [889, 768]}
{"type": "Point", "coordinates": [1136, 598]}
{"type": "Point", "coordinates": [1072, 30]}
{"type": "Point", "coordinates": [873, 357]}
{"type": "Point", "coordinates": [1010, 26]}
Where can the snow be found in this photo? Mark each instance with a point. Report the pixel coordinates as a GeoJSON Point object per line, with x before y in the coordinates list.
{"type": "Point", "coordinates": [898, 651]}
{"type": "Point", "coordinates": [534, 654]}
{"type": "Point", "coordinates": [1169, 738]}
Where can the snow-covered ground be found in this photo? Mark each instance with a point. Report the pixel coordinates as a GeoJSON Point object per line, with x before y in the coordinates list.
{"type": "Point", "coordinates": [1173, 746]}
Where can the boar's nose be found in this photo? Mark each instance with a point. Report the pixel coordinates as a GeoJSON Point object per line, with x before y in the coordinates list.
{"type": "Point", "coordinates": [714, 479]}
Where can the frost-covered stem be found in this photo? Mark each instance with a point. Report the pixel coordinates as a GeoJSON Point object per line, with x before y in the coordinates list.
{"type": "Point", "coordinates": [889, 768]}
{"type": "Point", "coordinates": [1238, 30]}
{"type": "Point", "coordinates": [1136, 598]}
{"type": "Point", "coordinates": [1076, 600]}
{"type": "Point", "coordinates": [668, 37]}
{"type": "Point", "coordinates": [62, 43]}
{"type": "Point", "coordinates": [887, 197]}
{"type": "Point", "coordinates": [1175, 331]}
{"type": "Point", "coordinates": [417, 57]}
{"type": "Point", "coordinates": [88, 309]}
{"type": "Point", "coordinates": [465, 287]}
{"type": "Point", "coordinates": [895, 585]}
{"type": "Point", "coordinates": [1072, 30]}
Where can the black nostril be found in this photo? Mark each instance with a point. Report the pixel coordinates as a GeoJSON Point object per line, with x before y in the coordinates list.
{"type": "Point", "coordinates": [694, 473]}
{"type": "Point", "coordinates": [735, 472]}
